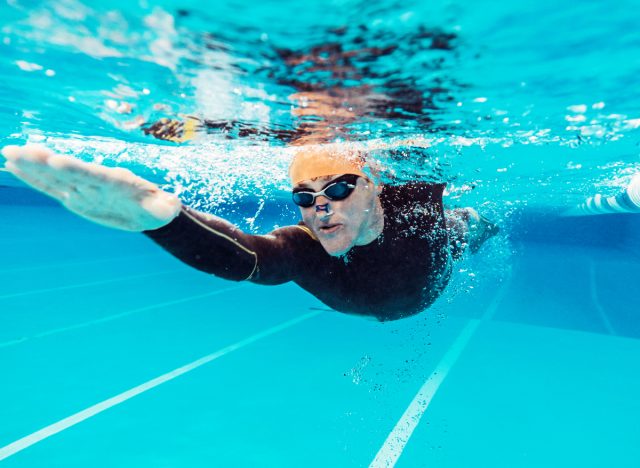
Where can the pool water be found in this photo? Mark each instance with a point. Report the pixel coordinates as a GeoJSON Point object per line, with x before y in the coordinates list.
{"type": "Point", "coordinates": [114, 354]}
{"type": "Point", "coordinates": [538, 362]}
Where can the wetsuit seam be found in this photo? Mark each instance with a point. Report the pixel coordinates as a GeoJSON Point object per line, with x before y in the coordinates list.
{"type": "Point", "coordinates": [308, 231]}
{"type": "Point", "coordinates": [255, 268]}
{"type": "Point", "coordinates": [233, 241]}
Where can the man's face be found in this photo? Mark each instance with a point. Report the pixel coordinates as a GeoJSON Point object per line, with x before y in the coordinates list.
{"type": "Point", "coordinates": [341, 224]}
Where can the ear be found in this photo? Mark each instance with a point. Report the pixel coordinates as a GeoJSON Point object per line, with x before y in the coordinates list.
{"type": "Point", "coordinates": [376, 185]}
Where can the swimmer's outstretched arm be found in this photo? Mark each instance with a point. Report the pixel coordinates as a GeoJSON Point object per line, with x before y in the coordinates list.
{"type": "Point", "coordinates": [215, 246]}
{"type": "Point", "coordinates": [113, 197]}
{"type": "Point", "coordinates": [117, 198]}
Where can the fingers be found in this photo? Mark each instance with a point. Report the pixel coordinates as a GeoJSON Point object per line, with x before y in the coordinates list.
{"type": "Point", "coordinates": [37, 154]}
{"type": "Point", "coordinates": [32, 156]}
{"type": "Point", "coordinates": [29, 159]}
{"type": "Point", "coordinates": [32, 168]}
{"type": "Point", "coordinates": [39, 183]}
{"type": "Point", "coordinates": [114, 197]}
{"type": "Point", "coordinates": [39, 166]}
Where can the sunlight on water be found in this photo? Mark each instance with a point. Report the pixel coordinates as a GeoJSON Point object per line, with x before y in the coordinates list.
{"type": "Point", "coordinates": [499, 99]}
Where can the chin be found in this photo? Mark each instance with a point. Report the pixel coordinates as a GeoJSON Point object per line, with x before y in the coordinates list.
{"type": "Point", "coordinates": [336, 250]}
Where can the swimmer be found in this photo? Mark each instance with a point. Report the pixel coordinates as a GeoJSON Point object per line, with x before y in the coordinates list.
{"type": "Point", "coordinates": [362, 247]}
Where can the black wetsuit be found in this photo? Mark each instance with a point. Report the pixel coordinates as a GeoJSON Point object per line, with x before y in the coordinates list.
{"type": "Point", "coordinates": [399, 274]}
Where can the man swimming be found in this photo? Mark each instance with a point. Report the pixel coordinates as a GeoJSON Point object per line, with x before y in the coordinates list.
{"type": "Point", "coordinates": [363, 248]}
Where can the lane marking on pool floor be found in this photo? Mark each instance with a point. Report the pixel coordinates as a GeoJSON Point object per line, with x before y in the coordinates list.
{"type": "Point", "coordinates": [117, 316]}
{"type": "Point", "coordinates": [86, 285]}
{"type": "Point", "coordinates": [397, 439]}
{"type": "Point", "coordinates": [74, 264]}
{"type": "Point", "coordinates": [87, 413]}
{"type": "Point", "coordinates": [94, 238]}
{"type": "Point", "coordinates": [593, 290]}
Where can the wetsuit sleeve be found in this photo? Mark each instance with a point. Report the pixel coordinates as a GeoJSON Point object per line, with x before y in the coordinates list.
{"type": "Point", "coordinates": [216, 246]}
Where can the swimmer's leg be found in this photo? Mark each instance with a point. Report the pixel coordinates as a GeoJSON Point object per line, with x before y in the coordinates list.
{"type": "Point", "coordinates": [468, 230]}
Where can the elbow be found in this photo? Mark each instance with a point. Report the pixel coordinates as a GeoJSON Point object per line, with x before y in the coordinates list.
{"type": "Point", "coordinates": [231, 271]}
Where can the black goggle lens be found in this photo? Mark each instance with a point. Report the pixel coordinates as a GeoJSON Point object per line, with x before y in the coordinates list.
{"type": "Point", "coordinates": [304, 199]}
{"type": "Point", "coordinates": [338, 191]}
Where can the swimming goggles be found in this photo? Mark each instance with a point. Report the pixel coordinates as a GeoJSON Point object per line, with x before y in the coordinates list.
{"type": "Point", "coordinates": [337, 189]}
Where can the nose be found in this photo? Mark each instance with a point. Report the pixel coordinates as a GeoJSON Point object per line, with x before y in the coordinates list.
{"type": "Point", "coordinates": [322, 204]}
{"type": "Point", "coordinates": [322, 200]}
{"type": "Point", "coordinates": [322, 208]}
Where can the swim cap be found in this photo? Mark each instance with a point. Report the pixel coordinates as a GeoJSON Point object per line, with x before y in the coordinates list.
{"type": "Point", "coordinates": [325, 160]}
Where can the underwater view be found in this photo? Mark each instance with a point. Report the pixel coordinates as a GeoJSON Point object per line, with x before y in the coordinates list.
{"type": "Point", "coordinates": [494, 324]}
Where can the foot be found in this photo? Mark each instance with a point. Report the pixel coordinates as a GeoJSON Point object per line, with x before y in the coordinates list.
{"type": "Point", "coordinates": [113, 197]}
{"type": "Point", "coordinates": [480, 230]}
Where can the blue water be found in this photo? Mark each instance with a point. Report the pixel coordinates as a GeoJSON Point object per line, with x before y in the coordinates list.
{"type": "Point", "coordinates": [529, 359]}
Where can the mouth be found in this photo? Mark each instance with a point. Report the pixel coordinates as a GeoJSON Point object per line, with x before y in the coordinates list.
{"type": "Point", "coordinates": [329, 228]}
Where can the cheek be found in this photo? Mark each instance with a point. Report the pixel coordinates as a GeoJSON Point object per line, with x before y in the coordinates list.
{"type": "Point", "coordinates": [307, 215]}
{"type": "Point", "coordinates": [356, 210]}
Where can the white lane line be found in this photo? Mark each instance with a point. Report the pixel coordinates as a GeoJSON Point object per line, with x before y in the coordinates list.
{"type": "Point", "coordinates": [392, 448]}
{"type": "Point", "coordinates": [74, 419]}
{"type": "Point", "coordinates": [596, 301]}
{"type": "Point", "coordinates": [73, 264]}
{"type": "Point", "coordinates": [397, 439]}
{"type": "Point", "coordinates": [110, 318]}
{"type": "Point", "coordinates": [85, 285]}
{"type": "Point", "coordinates": [67, 239]}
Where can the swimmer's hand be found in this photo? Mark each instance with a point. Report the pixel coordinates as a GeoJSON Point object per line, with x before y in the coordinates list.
{"type": "Point", "coordinates": [113, 197]}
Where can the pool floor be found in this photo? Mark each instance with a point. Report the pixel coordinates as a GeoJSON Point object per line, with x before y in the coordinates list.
{"type": "Point", "coordinates": [113, 354]}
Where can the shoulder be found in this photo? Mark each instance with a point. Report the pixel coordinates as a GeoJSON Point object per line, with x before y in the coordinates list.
{"type": "Point", "coordinates": [303, 228]}
{"type": "Point", "coordinates": [413, 207]}
{"type": "Point", "coordinates": [413, 193]}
